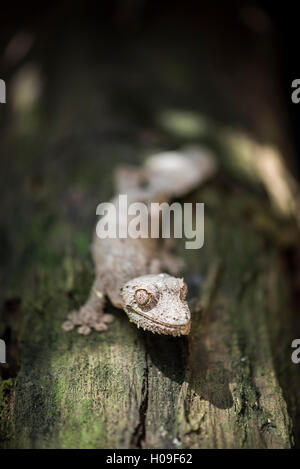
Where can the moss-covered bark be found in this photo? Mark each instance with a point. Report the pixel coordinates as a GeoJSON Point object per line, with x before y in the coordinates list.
{"type": "Point", "coordinates": [128, 388]}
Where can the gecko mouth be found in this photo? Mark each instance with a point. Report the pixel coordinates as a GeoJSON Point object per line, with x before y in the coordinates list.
{"type": "Point", "coordinates": [178, 329]}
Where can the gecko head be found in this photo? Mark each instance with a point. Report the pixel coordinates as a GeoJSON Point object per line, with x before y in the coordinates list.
{"type": "Point", "coordinates": [157, 303]}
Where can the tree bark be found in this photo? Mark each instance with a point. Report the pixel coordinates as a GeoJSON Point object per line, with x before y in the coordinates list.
{"type": "Point", "coordinates": [217, 388]}
{"type": "Point", "coordinates": [231, 382]}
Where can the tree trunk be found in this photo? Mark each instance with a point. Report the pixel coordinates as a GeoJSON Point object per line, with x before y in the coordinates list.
{"type": "Point", "coordinates": [218, 387]}
{"type": "Point", "coordinates": [231, 382]}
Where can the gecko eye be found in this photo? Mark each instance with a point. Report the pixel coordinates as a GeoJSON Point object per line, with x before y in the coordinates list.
{"type": "Point", "coordinates": [142, 297]}
{"type": "Point", "coordinates": [183, 292]}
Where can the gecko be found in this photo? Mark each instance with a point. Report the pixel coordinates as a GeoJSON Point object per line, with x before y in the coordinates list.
{"type": "Point", "coordinates": [132, 272]}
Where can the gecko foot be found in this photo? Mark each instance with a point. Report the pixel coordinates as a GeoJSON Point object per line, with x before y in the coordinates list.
{"type": "Point", "coordinates": [87, 319]}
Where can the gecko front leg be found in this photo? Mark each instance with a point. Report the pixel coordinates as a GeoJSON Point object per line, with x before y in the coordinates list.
{"type": "Point", "coordinates": [90, 315]}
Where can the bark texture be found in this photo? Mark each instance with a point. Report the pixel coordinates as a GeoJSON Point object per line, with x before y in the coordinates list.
{"type": "Point", "coordinates": [230, 383]}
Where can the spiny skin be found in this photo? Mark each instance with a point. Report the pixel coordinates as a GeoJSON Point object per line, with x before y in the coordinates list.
{"type": "Point", "coordinates": [124, 266]}
{"type": "Point", "coordinates": [117, 262]}
{"type": "Point", "coordinates": [157, 303]}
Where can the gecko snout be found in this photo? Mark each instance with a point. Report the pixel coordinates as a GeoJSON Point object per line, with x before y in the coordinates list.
{"type": "Point", "coordinates": [157, 303]}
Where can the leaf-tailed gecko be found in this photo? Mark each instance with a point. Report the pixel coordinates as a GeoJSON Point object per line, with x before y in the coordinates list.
{"type": "Point", "coordinates": [130, 272]}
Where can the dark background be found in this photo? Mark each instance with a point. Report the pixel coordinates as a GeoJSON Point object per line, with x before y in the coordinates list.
{"type": "Point", "coordinates": [231, 35]}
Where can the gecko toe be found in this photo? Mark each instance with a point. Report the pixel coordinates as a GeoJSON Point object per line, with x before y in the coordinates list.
{"type": "Point", "coordinates": [67, 326]}
{"type": "Point", "coordinates": [84, 330]}
{"type": "Point", "coordinates": [100, 327]}
{"type": "Point", "coordinates": [107, 318]}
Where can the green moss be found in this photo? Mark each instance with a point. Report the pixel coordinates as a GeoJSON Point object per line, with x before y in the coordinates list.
{"type": "Point", "coordinates": [6, 406]}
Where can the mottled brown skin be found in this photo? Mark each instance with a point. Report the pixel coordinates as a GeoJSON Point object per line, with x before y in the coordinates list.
{"type": "Point", "coordinates": [157, 303]}
{"type": "Point", "coordinates": [117, 262]}
{"type": "Point", "coordinates": [124, 266]}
